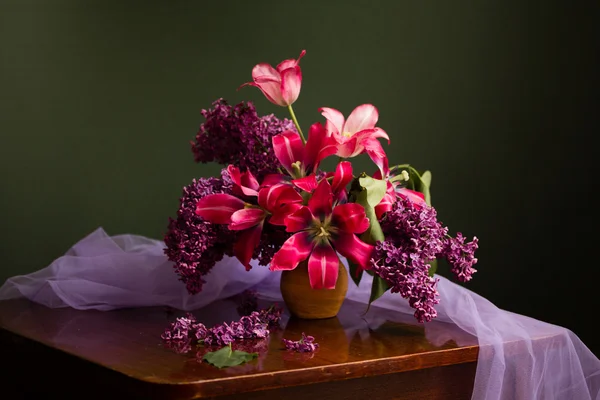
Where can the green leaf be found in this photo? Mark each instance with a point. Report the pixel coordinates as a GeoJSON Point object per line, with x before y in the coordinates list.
{"type": "Point", "coordinates": [375, 189]}
{"type": "Point", "coordinates": [425, 185]}
{"type": "Point", "coordinates": [355, 272]}
{"type": "Point", "coordinates": [426, 178]}
{"type": "Point", "coordinates": [374, 233]}
{"type": "Point", "coordinates": [226, 357]}
{"type": "Point", "coordinates": [368, 192]}
{"type": "Point", "coordinates": [378, 288]}
{"type": "Point", "coordinates": [433, 267]}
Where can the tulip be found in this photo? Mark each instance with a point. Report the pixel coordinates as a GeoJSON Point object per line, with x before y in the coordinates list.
{"type": "Point", "coordinates": [280, 85]}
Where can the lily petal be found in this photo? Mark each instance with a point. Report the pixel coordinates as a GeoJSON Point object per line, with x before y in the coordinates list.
{"type": "Point", "coordinates": [308, 183]}
{"type": "Point", "coordinates": [323, 267]}
{"type": "Point", "coordinates": [376, 153]}
{"type": "Point", "coordinates": [354, 249]}
{"type": "Point", "coordinates": [385, 205]}
{"type": "Point", "coordinates": [278, 217]}
{"type": "Point", "coordinates": [321, 202]}
{"type": "Point", "coordinates": [388, 200]}
{"type": "Point", "coordinates": [294, 250]}
{"type": "Point", "coordinates": [245, 183]}
{"type": "Point", "coordinates": [342, 177]}
{"type": "Point", "coordinates": [246, 218]}
{"type": "Point", "coordinates": [383, 172]}
{"type": "Point", "coordinates": [298, 220]}
{"type": "Point", "coordinates": [362, 117]}
{"type": "Point", "coordinates": [348, 148]}
{"type": "Point", "coordinates": [273, 179]}
{"type": "Point", "coordinates": [335, 120]}
{"type": "Point", "coordinates": [291, 82]}
{"type": "Point", "coordinates": [273, 197]}
{"type": "Point", "coordinates": [319, 146]}
{"type": "Point", "coordinates": [245, 245]}
{"type": "Point", "coordinates": [288, 149]}
{"type": "Point", "coordinates": [218, 208]}
{"type": "Point", "coordinates": [350, 217]}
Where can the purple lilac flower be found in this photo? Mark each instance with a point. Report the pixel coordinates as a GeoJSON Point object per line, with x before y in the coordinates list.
{"type": "Point", "coordinates": [180, 329]}
{"type": "Point", "coordinates": [414, 237]}
{"type": "Point", "coordinates": [177, 336]}
{"type": "Point", "coordinates": [237, 135]}
{"type": "Point", "coordinates": [271, 316]}
{"type": "Point", "coordinates": [461, 256]}
{"type": "Point", "coordinates": [255, 325]}
{"type": "Point", "coordinates": [306, 344]}
{"type": "Point", "coordinates": [195, 245]}
{"type": "Point", "coordinates": [184, 330]}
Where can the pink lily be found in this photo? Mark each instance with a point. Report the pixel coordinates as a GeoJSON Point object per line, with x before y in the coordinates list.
{"type": "Point", "coordinates": [280, 85]}
{"type": "Point", "coordinates": [275, 201]}
{"type": "Point", "coordinates": [243, 183]}
{"type": "Point", "coordinates": [358, 133]}
{"type": "Point", "coordinates": [322, 231]}
{"type": "Point", "coordinates": [301, 160]}
{"type": "Point", "coordinates": [394, 189]}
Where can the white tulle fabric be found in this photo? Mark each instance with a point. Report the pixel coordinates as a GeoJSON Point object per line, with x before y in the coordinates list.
{"type": "Point", "coordinates": [519, 357]}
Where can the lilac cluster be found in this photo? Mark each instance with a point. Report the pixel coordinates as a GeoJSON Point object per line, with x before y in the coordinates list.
{"type": "Point", "coordinates": [185, 330]}
{"type": "Point", "coordinates": [306, 344]}
{"type": "Point", "coordinates": [195, 245]}
{"type": "Point", "coordinates": [414, 237]}
{"type": "Point", "coordinates": [237, 135]}
{"type": "Point", "coordinates": [461, 256]}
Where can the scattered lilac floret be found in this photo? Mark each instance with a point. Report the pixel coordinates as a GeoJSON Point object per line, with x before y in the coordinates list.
{"type": "Point", "coordinates": [184, 330]}
{"type": "Point", "coordinates": [306, 344]}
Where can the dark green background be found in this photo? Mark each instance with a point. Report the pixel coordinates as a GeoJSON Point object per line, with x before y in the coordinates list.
{"type": "Point", "coordinates": [99, 100]}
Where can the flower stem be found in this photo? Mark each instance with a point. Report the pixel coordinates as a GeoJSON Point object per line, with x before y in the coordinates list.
{"type": "Point", "coordinates": [296, 123]}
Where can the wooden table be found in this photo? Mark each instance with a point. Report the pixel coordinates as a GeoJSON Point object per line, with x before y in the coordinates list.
{"type": "Point", "coordinates": [68, 353]}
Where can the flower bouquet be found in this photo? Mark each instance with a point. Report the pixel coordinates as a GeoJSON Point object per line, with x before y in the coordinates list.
{"type": "Point", "coordinates": [274, 204]}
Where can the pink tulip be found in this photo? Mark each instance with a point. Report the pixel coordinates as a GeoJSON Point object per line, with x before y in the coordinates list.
{"type": "Point", "coordinates": [290, 150]}
{"type": "Point", "coordinates": [358, 133]}
{"type": "Point", "coordinates": [280, 85]}
{"type": "Point", "coordinates": [322, 229]}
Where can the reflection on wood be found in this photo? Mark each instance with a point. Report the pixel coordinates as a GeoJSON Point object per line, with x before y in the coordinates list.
{"type": "Point", "coordinates": [123, 348]}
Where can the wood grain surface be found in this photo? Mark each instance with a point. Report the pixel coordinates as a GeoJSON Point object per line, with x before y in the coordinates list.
{"type": "Point", "coordinates": [119, 354]}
